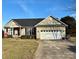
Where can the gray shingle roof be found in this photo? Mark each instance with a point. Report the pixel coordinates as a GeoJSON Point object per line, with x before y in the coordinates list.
{"type": "Point", "coordinates": [32, 22]}
{"type": "Point", "coordinates": [28, 22]}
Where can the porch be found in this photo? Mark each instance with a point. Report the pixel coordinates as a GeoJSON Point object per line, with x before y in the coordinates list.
{"type": "Point", "coordinates": [14, 31]}
{"type": "Point", "coordinates": [20, 32]}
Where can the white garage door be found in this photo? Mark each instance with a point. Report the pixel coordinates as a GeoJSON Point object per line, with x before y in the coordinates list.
{"type": "Point", "coordinates": [50, 34]}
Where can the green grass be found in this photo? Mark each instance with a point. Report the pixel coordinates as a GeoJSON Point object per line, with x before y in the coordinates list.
{"type": "Point", "coordinates": [19, 49]}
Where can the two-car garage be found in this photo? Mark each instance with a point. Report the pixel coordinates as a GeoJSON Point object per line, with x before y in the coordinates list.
{"type": "Point", "coordinates": [50, 29]}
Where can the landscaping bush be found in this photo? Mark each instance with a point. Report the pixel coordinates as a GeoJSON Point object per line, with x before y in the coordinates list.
{"type": "Point", "coordinates": [9, 36]}
{"type": "Point", "coordinates": [27, 37]}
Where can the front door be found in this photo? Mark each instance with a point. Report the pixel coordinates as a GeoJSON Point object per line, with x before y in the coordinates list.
{"type": "Point", "coordinates": [16, 31]}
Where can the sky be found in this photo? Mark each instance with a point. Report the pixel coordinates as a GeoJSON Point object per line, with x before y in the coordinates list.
{"type": "Point", "coordinates": [12, 9]}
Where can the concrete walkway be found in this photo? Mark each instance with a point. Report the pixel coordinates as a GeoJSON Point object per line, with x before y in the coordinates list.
{"type": "Point", "coordinates": [55, 50]}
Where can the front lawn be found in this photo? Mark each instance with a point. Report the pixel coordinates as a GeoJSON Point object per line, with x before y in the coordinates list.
{"type": "Point", "coordinates": [19, 49]}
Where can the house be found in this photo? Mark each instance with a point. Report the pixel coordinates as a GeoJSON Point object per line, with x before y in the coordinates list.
{"type": "Point", "coordinates": [42, 28]}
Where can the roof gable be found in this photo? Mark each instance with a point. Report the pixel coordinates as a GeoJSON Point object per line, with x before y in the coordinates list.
{"type": "Point", "coordinates": [11, 23]}
{"type": "Point", "coordinates": [50, 21]}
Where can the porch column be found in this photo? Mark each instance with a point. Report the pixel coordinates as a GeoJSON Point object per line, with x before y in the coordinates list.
{"type": "Point", "coordinates": [12, 30]}
{"type": "Point", "coordinates": [20, 31]}
{"type": "Point", "coordinates": [5, 30]}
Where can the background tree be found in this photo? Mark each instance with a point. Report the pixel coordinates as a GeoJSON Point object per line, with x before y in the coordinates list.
{"type": "Point", "coordinates": [71, 22]}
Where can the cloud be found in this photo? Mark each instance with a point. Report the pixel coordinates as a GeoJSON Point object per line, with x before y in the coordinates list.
{"type": "Point", "coordinates": [73, 15]}
{"type": "Point", "coordinates": [71, 8]}
{"type": "Point", "coordinates": [23, 4]}
{"type": "Point", "coordinates": [25, 8]}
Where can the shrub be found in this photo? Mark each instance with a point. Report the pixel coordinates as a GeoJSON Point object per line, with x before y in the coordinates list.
{"type": "Point", "coordinates": [28, 37]}
{"type": "Point", "coordinates": [9, 36]}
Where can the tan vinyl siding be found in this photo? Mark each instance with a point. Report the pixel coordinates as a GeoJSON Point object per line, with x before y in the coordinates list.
{"type": "Point", "coordinates": [22, 32]}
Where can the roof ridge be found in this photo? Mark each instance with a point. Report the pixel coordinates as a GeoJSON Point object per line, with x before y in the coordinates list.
{"type": "Point", "coordinates": [60, 21]}
{"type": "Point", "coordinates": [26, 18]}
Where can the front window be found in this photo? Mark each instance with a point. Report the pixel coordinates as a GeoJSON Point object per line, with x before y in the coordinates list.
{"type": "Point", "coordinates": [9, 31]}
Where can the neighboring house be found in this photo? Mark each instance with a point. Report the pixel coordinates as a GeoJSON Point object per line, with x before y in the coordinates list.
{"type": "Point", "coordinates": [42, 28]}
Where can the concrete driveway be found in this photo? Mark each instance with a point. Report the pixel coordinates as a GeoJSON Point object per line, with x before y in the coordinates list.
{"type": "Point", "coordinates": [55, 50]}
